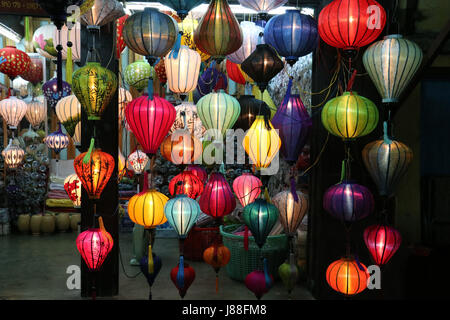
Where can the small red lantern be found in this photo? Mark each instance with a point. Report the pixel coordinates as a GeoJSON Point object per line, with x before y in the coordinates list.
{"type": "Point", "coordinates": [186, 183]}
{"type": "Point", "coordinates": [181, 148]}
{"type": "Point", "coordinates": [120, 43]}
{"type": "Point", "coordinates": [217, 199]}
{"type": "Point", "coordinates": [234, 73]}
{"type": "Point", "coordinates": [347, 276]}
{"type": "Point", "coordinates": [94, 245]}
{"type": "Point", "coordinates": [14, 61]}
{"type": "Point", "coordinates": [382, 241]}
{"type": "Point", "coordinates": [182, 278]}
{"type": "Point", "coordinates": [247, 188]}
{"type": "Point", "coordinates": [198, 171]}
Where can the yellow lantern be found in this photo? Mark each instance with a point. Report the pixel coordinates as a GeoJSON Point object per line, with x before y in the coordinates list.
{"type": "Point", "coordinates": [68, 111]}
{"type": "Point", "coordinates": [121, 166]}
{"type": "Point", "coordinates": [72, 185]}
{"type": "Point", "coordinates": [36, 113]}
{"type": "Point", "coordinates": [188, 26]}
{"type": "Point", "coordinates": [262, 142]}
{"type": "Point", "coordinates": [182, 70]}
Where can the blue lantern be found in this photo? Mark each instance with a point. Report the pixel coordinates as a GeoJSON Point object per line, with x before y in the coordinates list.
{"type": "Point", "coordinates": [182, 212]}
{"type": "Point", "coordinates": [182, 7]}
{"type": "Point", "coordinates": [150, 270]}
{"type": "Point", "coordinates": [51, 92]}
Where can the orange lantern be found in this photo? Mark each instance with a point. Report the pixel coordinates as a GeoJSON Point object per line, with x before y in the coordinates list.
{"type": "Point", "coordinates": [181, 148]}
{"type": "Point", "coordinates": [347, 276]}
{"type": "Point", "coordinates": [217, 256]}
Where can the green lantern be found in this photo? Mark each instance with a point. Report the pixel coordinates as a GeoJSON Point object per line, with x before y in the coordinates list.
{"type": "Point", "coordinates": [94, 86]}
{"type": "Point", "coordinates": [260, 217]}
{"type": "Point", "coordinates": [350, 116]}
{"type": "Point", "coordinates": [137, 74]}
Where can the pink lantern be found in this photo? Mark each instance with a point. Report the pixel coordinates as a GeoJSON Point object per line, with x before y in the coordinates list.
{"type": "Point", "coordinates": [94, 245]}
{"type": "Point", "coordinates": [247, 188]}
{"type": "Point", "coordinates": [258, 283]}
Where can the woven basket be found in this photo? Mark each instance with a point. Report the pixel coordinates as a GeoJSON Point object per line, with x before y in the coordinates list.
{"type": "Point", "coordinates": [243, 262]}
{"type": "Point", "coordinates": [198, 240]}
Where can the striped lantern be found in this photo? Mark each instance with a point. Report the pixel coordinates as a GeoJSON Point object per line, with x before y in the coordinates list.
{"type": "Point", "coordinates": [382, 241]}
{"type": "Point", "coordinates": [182, 70]}
{"type": "Point", "coordinates": [182, 213]}
{"type": "Point", "coordinates": [137, 74]}
{"type": "Point", "coordinates": [188, 111]}
{"type": "Point", "coordinates": [391, 64]}
{"type": "Point", "coordinates": [347, 276]}
{"type": "Point", "coordinates": [262, 6]}
{"type": "Point", "coordinates": [252, 36]}
{"type": "Point", "coordinates": [68, 111]}
{"type": "Point", "coordinates": [247, 188]}
{"type": "Point", "coordinates": [13, 155]}
{"type": "Point", "coordinates": [74, 36]}
{"type": "Point", "coordinates": [138, 161]}
{"type": "Point", "coordinates": [57, 141]}
{"type": "Point", "coordinates": [350, 116]}
{"type": "Point", "coordinates": [260, 217]}
{"type": "Point", "coordinates": [94, 246]}
{"type": "Point", "coordinates": [102, 12]}
{"type": "Point", "coordinates": [181, 147]}
{"type": "Point", "coordinates": [36, 113]}
{"type": "Point", "coordinates": [217, 199]}
{"type": "Point", "coordinates": [186, 183]}
{"type": "Point", "coordinates": [292, 211]}
{"type": "Point", "coordinates": [12, 111]}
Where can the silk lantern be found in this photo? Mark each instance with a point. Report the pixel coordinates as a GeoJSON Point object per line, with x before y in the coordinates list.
{"type": "Point", "coordinates": [260, 217]}
{"type": "Point", "coordinates": [102, 12]}
{"type": "Point", "coordinates": [57, 141]}
{"type": "Point", "coordinates": [262, 142]}
{"type": "Point", "coordinates": [292, 35]}
{"type": "Point", "coordinates": [15, 62]}
{"type": "Point", "coordinates": [72, 185]}
{"type": "Point", "coordinates": [262, 6]}
{"type": "Point", "coordinates": [137, 74]}
{"type": "Point", "coordinates": [348, 201]}
{"type": "Point", "coordinates": [262, 65]}
{"type": "Point", "coordinates": [36, 113]}
{"type": "Point", "coordinates": [13, 155]}
{"type": "Point", "coordinates": [347, 276]}
{"type": "Point", "coordinates": [182, 212]}
{"type": "Point", "coordinates": [150, 276]}
{"type": "Point", "coordinates": [182, 280]}
{"type": "Point", "coordinates": [150, 121]}
{"type": "Point", "coordinates": [187, 117]}
{"type": "Point", "coordinates": [252, 35]}
{"type": "Point", "coordinates": [258, 282]}
{"type": "Point", "coordinates": [52, 94]}
{"type": "Point", "coordinates": [182, 7]}
{"type": "Point", "coordinates": [250, 109]}
{"type": "Point", "coordinates": [217, 256]}
{"type": "Point", "coordinates": [186, 183]}
{"type": "Point", "coordinates": [234, 72]}
{"type": "Point", "coordinates": [68, 111]}
{"type": "Point", "coordinates": [124, 98]}
{"type": "Point", "coordinates": [217, 199]}
{"type": "Point", "coordinates": [218, 33]}
{"type": "Point", "coordinates": [120, 43]}
{"type": "Point", "coordinates": [35, 73]}
{"type": "Point", "coordinates": [94, 86]}
{"type": "Point", "coordinates": [43, 41]}
{"type": "Point", "coordinates": [198, 172]}
{"type": "Point", "coordinates": [247, 188]}
{"type": "Point", "coordinates": [292, 209]}
{"type": "Point", "coordinates": [391, 64]}
{"type": "Point", "coordinates": [182, 70]}
{"type": "Point", "coordinates": [12, 111]}
{"type": "Point", "coordinates": [138, 161]}
{"type": "Point", "coordinates": [382, 241]}
{"type": "Point", "coordinates": [94, 246]}
{"type": "Point", "coordinates": [350, 116]}
{"type": "Point", "coordinates": [188, 26]}
{"type": "Point", "coordinates": [181, 147]}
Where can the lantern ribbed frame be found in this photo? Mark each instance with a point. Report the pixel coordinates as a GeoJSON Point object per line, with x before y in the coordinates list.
{"type": "Point", "coordinates": [217, 199]}
{"type": "Point", "coordinates": [191, 185]}
{"type": "Point", "coordinates": [68, 111]}
{"type": "Point", "coordinates": [260, 217]}
{"type": "Point", "coordinates": [181, 147]}
{"type": "Point", "coordinates": [382, 241]}
{"type": "Point", "coordinates": [346, 277]}
{"type": "Point", "coordinates": [102, 13]}
{"type": "Point", "coordinates": [13, 155]}
{"type": "Point", "coordinates": [36, 113]}
{"type": "Point", "coordinates": [138, 160]}
{"type": "Point", "coordinates": [147, 208]}
{"type": "Point", "coordinates": [182, 212]}
{"type": "Point", "coordinates": [291, 212]}
{"type": "Point", "coordinates": [94, 246]}
{"type": "Point", "coordinates": [182, 71]}
{"type": "Point", "coordinates": [72, 185]}
{"type": "Point", "coordinates": [247, 188]}
{"type": "Point", "coordinates": [262, 6]}
{"type": "Point", "coordinates": [251, 37]}
{"type": "Point", "coordinates": [12, 111]}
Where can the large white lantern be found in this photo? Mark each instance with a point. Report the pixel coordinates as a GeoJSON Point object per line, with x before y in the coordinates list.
{"type": "Point", "coordinates": [262, 6]}
{"type": "Point", "coordinates": [36, 113]}
{"type": "Point", "coordinates": [13, 110]}
{"type": "Point", "coordinates": [138, 161]}
{"type": "Point", "coordinates": [182, 70]}
{"type": "Point", "coordinates": [13, 155]}
{"type": "Point", "coordinates": [251, 33]}
{"type": "Point", "coordinates": [68, 111]}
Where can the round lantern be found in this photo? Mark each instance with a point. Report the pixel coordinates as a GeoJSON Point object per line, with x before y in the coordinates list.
{"type": "Point", "coordinates": [348, 201]}
{"type": "Point", "coordinates": [188, 26]}
{"type": "Point", "coordinates": [350, 116]}
{"type": "Point", "coordinates": [250, 108]}
{"type": "Point", "coordinates": [35, 73]}
{"type": "Point", "coordinates": [181, 147]}
{"type": "Point", "coordinates": [234, 72]}
{"type": "Point", "coordinates": [262, 142]}
{"type": "Point", "coordinates": [181, 7]}
{"type": "Point", "coordinates": [150, 33]}
{"type": "Point", "coordinates": [218, 111]}
{"type": "Point", "coordinates": [351, 24]}
{"type": "Point", "coordinates": [218, 33]}
{"type": "Point", "coordinates": [57, 141]}
{"type": "Point", "coordinates": [391, 64]}
{"type": "Point", "coordinates": [262, 6]}
{"type": "Point", "coordinates": [94, 170]}
{"type": "Point", "coordinates": [187, 111]}
{"type": "Point", "coordinates": [182, 276]}
{"type": "Point", "coordinates": [15, 62]}
{"type": "Point", "coordinates": [217, 256]}
{"type": "Point", "coordinates": [124, 98]}
{"type": "Point", "coordinates": [13, 155]}
{"type": "Point", "coordinates": [44, 41]}
{"type": "Point", "coordinates": [252, 35]}
{"type": "Point", "coordinates": [102, 12]}
{"type": "Point", "coordinates": [387, 161]}
{"type": "Point", "coordinates": [182, 212]}
{"type": "Point", "coordinates": [94, 87]}
{"type": "Point", "coordinates": [198, 172]}
{"type": "Point", "coordinates": [292, 35]}
{"type": "Point", "coordinates": [260, 217]}
{"type": "Point", "coordinates": [347, 276]}
{"type": "Point", "coordinates": [217, 199]}
{"type": "Point", "coordinates": [382, 241]}
{"type": "Point", "coordinates": [150, 121]}
{"type": "Point", "coordinates": [94, 246]}
{"type": "Point", "coordinates": [137, 74]}
{"type": "Point", "coordinates": [77, 135]}
{"type": "Point", "coordinates": [182, 70]}
{"type": "Point", "coordinates": [36, 113]}
{"type": "Point", "coordinates": [52, 94]}
{"type": "Point", "coordinates": [72, 185]}
{"type": "Point", "coordinates": [120, 43]}
{"type": "Point", "coordinates": [68, 111]}
{"type": "Point", "coordinates": [186, 183]}
{"type": "Point", "coordinates": [292, 209]}
{"type": "Point", "coordinates": [259, 283]}
{"type": "Point", "coordinates": [262, 65]}
{"type": "Point", "coordinates": [138, 161]}
{"type": "Point", "coordinates": [12, 111]}
{"type": "Point", "coordinates": [247, 188]}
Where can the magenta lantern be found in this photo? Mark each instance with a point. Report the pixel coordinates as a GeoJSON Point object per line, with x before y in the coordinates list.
{"type": "Point", "coordinates": [217, 199]}
{"type": "Point", "coordinates": [382, 241]}
{"type": "Point", "coordinates": [247, 188]}
{"type": "Point", "coordinates": [94, 246]}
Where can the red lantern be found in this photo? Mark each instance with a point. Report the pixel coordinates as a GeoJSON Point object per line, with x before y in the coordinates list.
{"type": "Point", "coordinates": [188, 276]}
{"type": "Point", "coordinates": [35, 72]}
{"type": "Point", "coordinates": [181, 148]}
{"type": "Point", "coordinates": [150, 121]}
{"type": "Point", "coordinates": [94, 246]}
{"type": "Point", "coordinates": [347, 276]}
{"type": "Point", "coordinates": [120, 43]}
{"type": "Point", "coordinates": [234, 73]}
{"type": "Point", "coordinates": [186, 183]}
{"type": "Point", "coordinates": [247, 188]}
{"type": "Point", "coordinates": [160, 70]}
{"type": "Point", "coordinates": [382, 241]}
{"type": "Point", "coordinates": [351, 24]}
{"type": "Point", "coordinates": [14, 62]}
{"type": "Point", "coordinates": [217, 199]}
{"type": "Point", "coordinates": [198, 171]}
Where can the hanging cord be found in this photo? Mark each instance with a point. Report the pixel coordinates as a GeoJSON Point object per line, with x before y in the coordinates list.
{"type": "Point", "coordinates": [318, 157]}
{"type": "Point", "coordinates": [123, 267]}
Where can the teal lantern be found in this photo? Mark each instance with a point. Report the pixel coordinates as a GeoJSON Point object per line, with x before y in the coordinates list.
{"type": "Point", "coordinates": [137, 74]}
{"type": "Point", "coordinates": [260, 216]}
{"type": "Point", "coordinates": [182, 213]}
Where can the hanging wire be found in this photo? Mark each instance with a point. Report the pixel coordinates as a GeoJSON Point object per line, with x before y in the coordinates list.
{"type": "Point", "coordinates": [318, 156]}
{"type": "Point", "coordinates": [123, 267]}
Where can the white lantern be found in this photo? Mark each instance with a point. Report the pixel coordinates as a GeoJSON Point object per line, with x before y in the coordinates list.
{"type": "Point", "coordinates": [76, 138]}
{"type": "Point", "coordinates": [251, 34]}
{"type": "Point", "coordinates": [13, 155]}
{"type": "Point", "coordinates": [124, 98]}
{"type": "Point", "coordinates": [72, 185]}
{"type": "Point", "coordinates": [193, 122]}
{"type": "Point", "coordinates": [183, 70]}
{"type": "Point", "coordinates": [138, 161]}
{"type": "Point", "coordinates": [36, 113]}
{"type": "Point", "coordinates": [262, 6]}
{"type": "Point", "coordinates": [57, 141]}
{"type": "Point", "coordinates": [44, 41]}
{"type": "Point", "coordinates": [13, 110]}
{"type": "Point", "coordinates": [68, 111]}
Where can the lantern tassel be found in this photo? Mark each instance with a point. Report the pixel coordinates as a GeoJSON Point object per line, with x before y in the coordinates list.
{"type": "Point", "coordinates": [87, 156]}
{"type": "Point", "coordinates": [191, 97]}
{"type": "Point", "coordinates": [176, 48]}
{"type": "Point", "coordinates": [150, 88]}
{"type": "Point", "coordinates": [246, 238]}
{"type": "Point", "coordinates": [151, 265]}
{"type": "Point", "coordinates": [386, 138]}
{"type": "Point", "coordinates": [69, 63]}
{"type": "Point", "coordinates": [269, 282]}
{"type": "Point", "coordinates": [294, 189]}
{"type": "Point", "coordinates": [180, 274]}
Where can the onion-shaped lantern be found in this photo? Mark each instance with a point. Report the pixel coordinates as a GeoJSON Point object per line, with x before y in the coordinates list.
{"type": "Point", "coordinates": [182, 212]}
{"type": "Point", "coordinates": [150, 121]}
{"type": "Point", "coordinates": [94, 246]}
{"type": "Point", "coordinates": [12, 111]}
{"type": "Point", "coordinates": [252, 36]}
{"type": "Point", "coordinates": [260, 217]}
{"type": "Point", "coordinates": [102, 12]}
{"type": "Point", "coordinates": [187, 111]}
{"type": "Point", "coordinates": [217, 256]}
{"type": "Point", "coordinates": [262, 142]}
{"type": "Point", "coordinates": [262, 65]}
{"type": "Point", "coordinates": [391, 64]}
{"type": "Point", "coordinates": [94, 86]}
{"type": "Point", "coordinates": [35, 73]}
{"type": "Point", "coordinates": [36, 113]}
{"type": "Point", "coordinates": [120, 42]}
{"type": "Point", "coordinates": [77, 135]}
{"type": "Point", "coordinates": [382, 241]}
{"type": "Point", "coordinates": [68, 111]}
{"type": "Point", "coordinates": [72, 185]}
{"type": "Point", "coordinates": [198, 172]}
{"type": "Point", "coordinates": [348, 201]}
{"type": "Point", "coordinates": [182, 7]}
{"type": "Point", "coordinates": [57, 141]}
{"type": "Point", "coordinates": [188, 26]}
{"type": "Point", "coordinates": [262, 6]}
{"type": "Point", "coordinates": [44, 41]}
{"type": "Point", "coordinates": [350, 116]}
{"type": "Point", "coordinates": [181, 147]}
{"type": "Point", "coordinates": [150, 33]}
{"type": "Point", "coordinates": [52, 94]}
{"type": "Point", "coordinates": [292, 35]}
{"type": "Point", "coordinates": [15, 62]}
{"type": "Point", "coordinates": [138, 161]}
{"type": "Point", "coordinates": [292, 209]}
{"type": "Point", "coordinates": [250, 108]}
{"type": "Point", "coordinates": [347, 276]}
{"type": "Point", "coordinates": [137, 74]}
{"type": "Point", "coordinates": [218, 33]}
{"type": "Point", "coordinates": [217, 199]}
{"type": "Point", "coordinates": [247, 188]}
{"type": "Point", "coordinates": [186, 183]}
{"type": "Point", "coordinates": [13, 155]}
{"type": "Point", "coordinates": [182, 70]}
{"type": "Point", "coordinates": [124, 98]}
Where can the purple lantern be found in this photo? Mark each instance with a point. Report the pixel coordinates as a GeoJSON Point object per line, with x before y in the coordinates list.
{"type": "Point", "coordinates": [294, 125]}
{"type": "Point", "coordinates": [52, 94]}
{"type": "Point", "coordinates": [348, 201]}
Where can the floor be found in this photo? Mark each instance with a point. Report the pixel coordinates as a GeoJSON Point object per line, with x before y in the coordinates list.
{"type": "Point", "coordinates": [34, 267]}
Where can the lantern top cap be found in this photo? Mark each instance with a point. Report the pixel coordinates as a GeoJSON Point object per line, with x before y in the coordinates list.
{"type": "Point", "coordinates": [393, 36]}
{"type": "Point", "coordinates": [348, 93]}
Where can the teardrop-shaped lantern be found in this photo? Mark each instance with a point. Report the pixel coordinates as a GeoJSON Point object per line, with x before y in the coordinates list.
{"type": "Point", "coordinates": [198, 172]}
{"type": "Point", "coordinates": [260, 217]}
{"type": "Point", "coordinates": [256, 282]}
{"type": "Point", "coordinates": [120, 42]}
{"type": "Point", "coordinates": [72, 185]}
{"type": "Point", "coordinates": [187, 111]}
{"type": "Point", "coordinates": [68, 111]}
{"type": "Point", "coordinates": [292, 211]}
{"type": "Point", "coordinates": [94, 86]}
{"type": "Point", "coordinates": [250, 108]}
{"type": "Point", "coordinates": [347, 276]}
{"type": "Point", "coordinates": [12, 111]}
{"type": "Point", "coordinates": [36, 113]}
{"type": "Point", "coordinates": [391, 64]}
{"type": "Point", "coordinates": [247, 188]}
{"type": "Point", "coordinates": [182, 7]}
{"type": "Point", "coordinates": [292, 35]}
{"type": "Point", "coordinates": [57, 141]}
{"type": "Point", "coordinates": [94, 246]}
{"type": "Point", "coordinates": [150, 121]}
{"type": "Point", "coordinates": [252, 36]}
{"type": "Point", "coordinates": [13, 155]}
{"type": "Point", "coordinates": [182, 212]}
{"type": "Point", "coordinates": [182, 70]}
{"type": "Point", "coordinates": [217, 199]}
{"type": "Point", "coordinates": [35, 73]}
{"type": "Point", "coordinates": [181, 147]}
{"type": "Point", "coordinates": [138, 161]}
{"type": "Point", "coordinates": [186, 183]}
{"type": "Point", "coordinates": [102, 12]}
{"type": "Point", "coordinates": [137, 75]}
{"type": "Point", "coordinates": [262, 65]}
{"type": "Point", "coordinates": [350, 116]}
{"type": "Point", "coordinates": [383, 242]}
{"type": "Point", "coordinates": [218, 33]}
{"type": "Point", "coordinates": [187, 275]}
{"type": "Point", "coordinates": [52, 94]}
{"type": "Point", "coordinates": [262, 6]}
